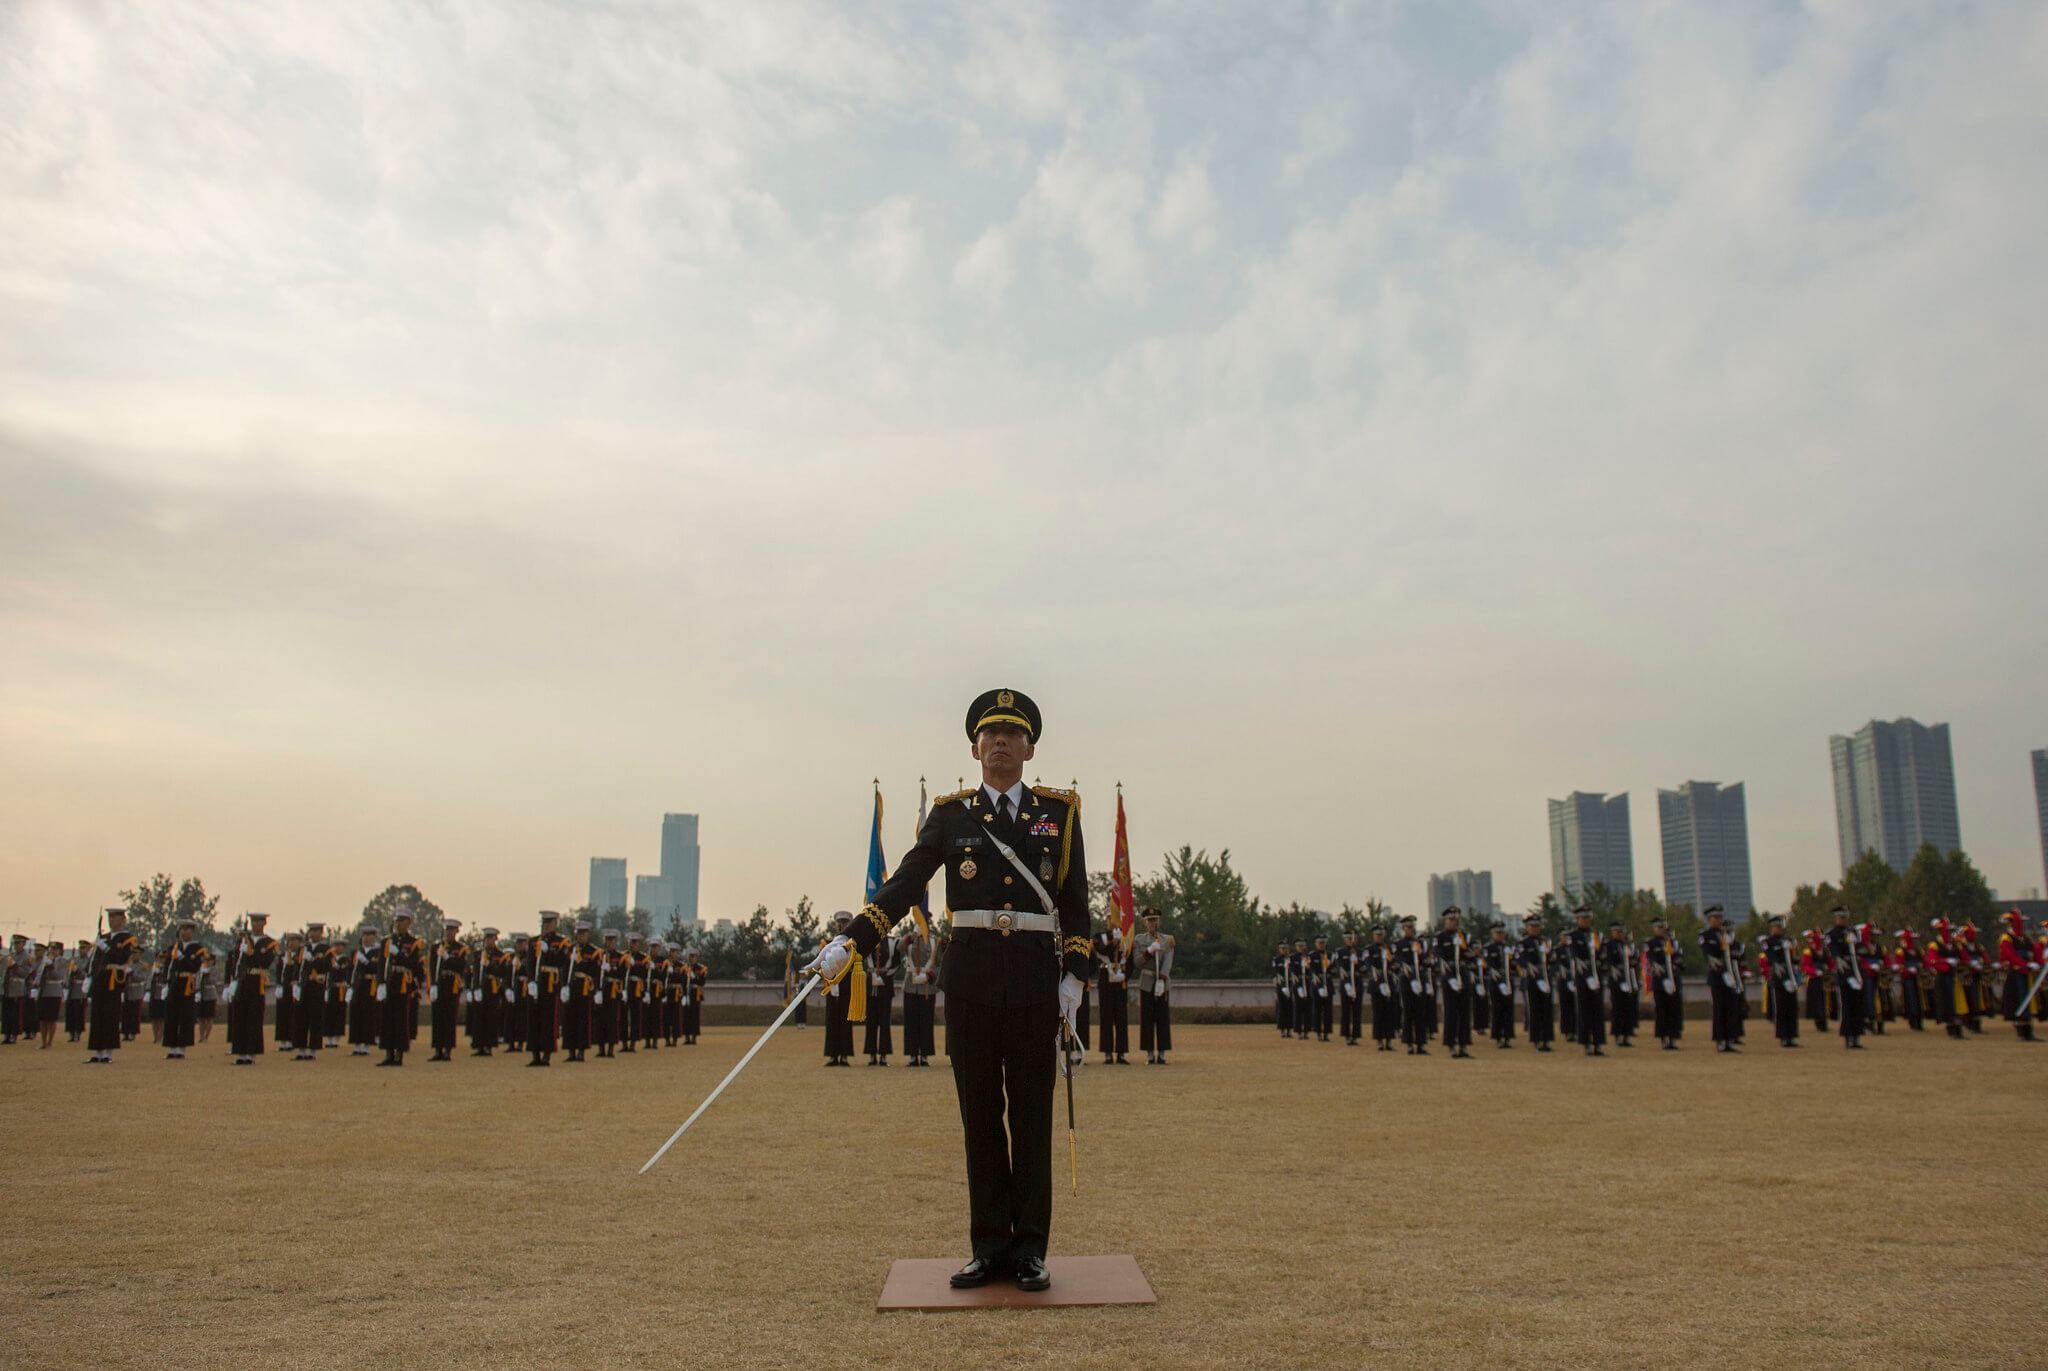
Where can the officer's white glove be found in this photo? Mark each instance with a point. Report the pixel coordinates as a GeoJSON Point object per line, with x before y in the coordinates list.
{"type": "Point", "coordinates": [832, 958]}
{"type": "Point", "coordinates": [380, 993]}
{"type": "Point", "coordinates": [349, 998]}
{"type": "Point", "coordinates": [1669, 988]}
{"type": "Point", "coordinates": [565, 994]}
{"type": "Point", "coordinates": [598, 998]}
{"type": "Point", "coordinates": [434, 995]}
{"type": "Point", "coordinates": [1071, 993]}
{"type": "Point", "coordinates": [511, 997]}
{"type": "Point", "coordinates": [533, 989]}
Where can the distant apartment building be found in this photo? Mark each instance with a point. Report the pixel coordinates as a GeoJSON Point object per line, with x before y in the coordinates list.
{"type": "Point", "coordinates": [680, 862]}
{"type": "Point", "coordinates": [652, 893]}
{"type": "Point", "coordinates": [1706, 847]}
{"type": "Point", "coordinates": [1590, 845]}
{"type": "Point", "coordinates": [608, 889]}
{"type": "Point", "coordinates": [1895, 790]}
{"type": "Point", "coordinates": [2041, 804]}
{"type": "Point", "coordinates": [1471, 891]}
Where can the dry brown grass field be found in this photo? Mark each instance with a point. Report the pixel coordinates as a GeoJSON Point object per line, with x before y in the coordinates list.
{"type": "Point", "coordinates": [1293, 1203]}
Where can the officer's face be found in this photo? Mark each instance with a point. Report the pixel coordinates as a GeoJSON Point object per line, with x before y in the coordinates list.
{"type": "Point", "coordinates": [1003, 746]}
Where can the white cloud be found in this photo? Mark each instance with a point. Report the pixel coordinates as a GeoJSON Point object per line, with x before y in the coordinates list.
{"type": "Point", "coordinates": [1186, 208]}
{"type": "Point", "coordinates": [985, 269]}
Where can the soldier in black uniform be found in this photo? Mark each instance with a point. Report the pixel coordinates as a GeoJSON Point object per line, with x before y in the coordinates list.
{"type": "Point", "coordinates": [1778, 964]}
{"type": "Point", "coordinates": [489, 987]}
{"type": "Point", "coordinates": [189, 957]}
{"type": "Point", "coordinates": [1848, 973]}
{"type": "Point", "coordinates": [1498, 958]}
{"type": "Point", "coordinates": [606, 1002]}
{"type": "Point", "coordinates": [289, 1017]}
{"type": "Point", "coordinates": [546, 966]}
{"type": "Point", "coordinates": [1283, 989]}
{"type": "Point", "coordinates": [362, 990]}
{"type": "Point", "coordinates": [1582, 951]}
{"type": "Point", "coordinates": [1539, 984]}
{"type": "Point", "coordinates": [1379, 985]}
{"type": "Point", "coordinates": [1412, 967]}
{"type": "Point", "coordinates": [399, 973]}
{"type": "Point", "coordinates": [249, 971]}
{"type": "Point", "coordinates": [696, 975]}
{"type": "Point", "coordinates": [1321, 1016]}
{"type": "Point", "coordinates": [838, 1002]}
{"type": "Point", "coordinates": [1113, 991]}
{"type": "Point", "coordinates": [111, 953]}
{"type": "Point", "coordinates": [317, 981]}
{"type": "Point", "coordinates": [1667, 985]}
{"type": "Point", "coordinates": [448, 978]}
{"type": "Point", "coordinates": [1624, 993]}
{"type": "Point", "coordinates": [1724, 981]}
{"type": "Point", "coordinates": [586, 966]}
{"type": "Point", "coordinates": [1012, 973]}
{"type": "Point", "coordinates": [881, 1002]}
{"type": "Point", "coordinates": [1454, 959]}
{"type": "Point", "coordinates": [1347, 968]}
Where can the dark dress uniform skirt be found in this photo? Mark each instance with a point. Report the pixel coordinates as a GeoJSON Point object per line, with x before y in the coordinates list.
{"type": "Point", "coordinates": [1784, 1011]}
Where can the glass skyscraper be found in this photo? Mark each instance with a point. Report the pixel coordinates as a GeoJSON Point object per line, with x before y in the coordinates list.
{"type": "Point", "coordinates": [1706, 847]}
{"type": "Point", "coordinates": [2041, 806]}
{"type": "Point", "coordinates": [607, 885]}
{"type": "Point", "coordinates": [1895, 790]}
{"type": "Point", "coordinates": [680, 859]}
{"type": "Point", "coordinates": [1589, 845]}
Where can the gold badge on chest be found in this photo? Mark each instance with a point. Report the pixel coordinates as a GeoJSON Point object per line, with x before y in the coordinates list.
{"type": "Point", "coordinates": [967, 869]}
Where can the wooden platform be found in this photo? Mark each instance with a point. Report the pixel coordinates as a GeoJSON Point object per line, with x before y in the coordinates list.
{"type": "Point", "coordinates": [920, 1283]}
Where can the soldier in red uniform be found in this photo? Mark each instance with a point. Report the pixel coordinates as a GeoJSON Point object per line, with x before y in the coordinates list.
{"type": "Point", "coordinates": [1976, 970]}
{"type": "Point", "coordinates": [1947, 961]}
{"type": "Point", "coordinates": [2019, 956]}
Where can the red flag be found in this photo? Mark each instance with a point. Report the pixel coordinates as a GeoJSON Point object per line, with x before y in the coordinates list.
{"type": "Point", "coordinates": [1126, 904]}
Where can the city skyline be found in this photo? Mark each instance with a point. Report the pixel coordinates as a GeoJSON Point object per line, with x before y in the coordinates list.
{"type": "Point", "coordinates": [1591, 843]}
{"type": "Point", "coordinates": [1617, 393]}
{"type": "Point", "coordinates": [1468, 889]}
{"type": "Point", "coordinates": [1705, 832]}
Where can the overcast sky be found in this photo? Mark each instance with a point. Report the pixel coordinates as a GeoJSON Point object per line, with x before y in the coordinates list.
{"type": "Point", "coordinates": [437, 439]}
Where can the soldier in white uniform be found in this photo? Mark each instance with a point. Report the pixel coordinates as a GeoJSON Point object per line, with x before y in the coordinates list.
{"type": "Point", "coordinates": [1153, 953]}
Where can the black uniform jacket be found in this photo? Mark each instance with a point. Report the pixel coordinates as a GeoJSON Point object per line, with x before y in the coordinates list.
{"type": "Point", "coordinates": [985, 965]}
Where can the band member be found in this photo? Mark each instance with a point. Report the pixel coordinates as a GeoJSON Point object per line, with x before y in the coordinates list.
{"type": "Point", "coordinates": [1621, 963]}
{"type": "Point", "coordinates": [696, 975]}
{"type": "Point", "coordinates": [1497, 986]}
{"type": "Point", "coordinates": [1012, 977]}
{"type": "Point", "coordinates": [1582, 950]}
{"type": "Point", "coordinates": [1776, 967]}
{"type": "Point", "coordinates": [881, 1002]}
{"type": "Point", "coordinates": [490, 986]}
{"type": "Point", "coordinates": [1455, 961]}
{"type": "Point", "coordinates": [920, 997]}
{"type": "Point", "coordinates": [545, 971]}
{"type": "Point", "coordinates": [447, 977]}
{"type": "Point", "coordinates": [1724, 981]}
{"type": "Point", "coordinates": [363, 1001]}
{"type": "Point", "coordinates": [1283, 989]}
{"type": "Point", "coordinates": [1538, 983]}
{"type": "Point", "coordinates": [606, 1000]}
{"type": "Point", "coordinates": [1413, 965]}
{"type": "Point", "coordinates": [1347, 974]}
{"type": "Point", "coordinates": [1906, 965]}
{"type": "Point", "coordinates": [1976, 975]}
{"type": "Point", "coordinates": [400, 971]}
{"type": "Point", "coordinates": [251, 966]}
{"type": "Point", "coordinates": [839, 1000]}
{"type": "Point", "coordinates": [1845, 965]}
{"type": "Point", "coordinates": [1113, 990]}
{"type": "Point", "coordinates": [1152, 953]}
{"type": "Point", "coordinates": [2019, 956]}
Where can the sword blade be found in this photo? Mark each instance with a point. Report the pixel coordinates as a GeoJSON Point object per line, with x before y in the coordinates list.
{"type": "Point", "coordinates": [788, 1009]}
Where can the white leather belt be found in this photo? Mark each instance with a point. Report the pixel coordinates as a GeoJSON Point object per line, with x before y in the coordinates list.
{"type": "Point", "coordinates": [1005, 921]}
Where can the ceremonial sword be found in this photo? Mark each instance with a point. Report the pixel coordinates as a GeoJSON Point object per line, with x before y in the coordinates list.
{"type": "Point", "coordinates": [802, 994]}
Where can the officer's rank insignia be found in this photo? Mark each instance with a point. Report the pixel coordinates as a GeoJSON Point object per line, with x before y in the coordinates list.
{"type": "Point", "coordinates": [1046, 828]}
{"type": "Point", "coordinates": [1045, 868]}
{"type": "Point", "coordinates": [967, 869]}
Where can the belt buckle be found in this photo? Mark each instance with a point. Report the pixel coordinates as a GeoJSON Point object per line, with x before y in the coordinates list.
{"type": "Point", "coordinates": [1003, 922]}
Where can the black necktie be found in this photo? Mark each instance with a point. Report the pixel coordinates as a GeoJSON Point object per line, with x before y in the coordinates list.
{"type": "Point", "coordinates": [1003, 806]}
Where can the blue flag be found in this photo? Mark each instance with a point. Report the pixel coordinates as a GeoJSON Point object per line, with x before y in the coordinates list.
{"type": "Point", "coordinates": [878, 869]}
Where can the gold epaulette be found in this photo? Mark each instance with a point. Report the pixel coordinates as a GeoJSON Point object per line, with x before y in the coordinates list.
{"type": "Point", "coordinates": [956, 795]}
{"type": "Point", "coordinates": [1072, 797]}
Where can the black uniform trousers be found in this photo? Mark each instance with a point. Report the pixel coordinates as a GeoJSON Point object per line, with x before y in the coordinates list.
{"type": "Point", "coordinates": [1352, 1018]}
{"type": "Point", "coordinates": [1115, 997]}
{"type": "Point", "coordinates": [1853, 1003]}
{"type": "Point", "coordinates": [1319, 999]}
{"type": "Point", "coordinates": [1304, 1011]}
{"type": "Point", "coordinates": [1386, 1011]}
{"type": "Point", "coordinates": [1414, 1016]}
{"type": "Point", "coordinates": [1500, 1012]}
{"type": "Point", "coordinates": [1457, 1014]}
{"type": "Point", "coordinates": [1668, 1008]}
{"type": "Point", "coordinates": [105, 1035]}
{"type": "Point", "coordinates": [394, 1020]}
{"type": "Point", "coordinates": [1625, 1007]}
{"type": "Point", "coordinates": [1784, 1011]}
{"type": "Point", "coordinates": [1006, 1058]}
{"type": "Point", "coordinates": [245, 1018]}
{"type": "Point", "coordinates": [443, 1018]}
{"type": "Point", "coordinates": [838, 1031]}
{"type": "Point", "coordinates": [1155, 1022]}
{"type": "Point", "coordinates": [918, 1040]}
{"type": "Point", "coordinates": [180, 1016]}
{"type": "Point", "coordinates": [1539, 1010]}
{"type": "Point", "coordinates": [1586, 1014]}
{"type": "Point", "coordinates": [484, 1013]}
{"type": "Point", "coordinates": [74, 1013]}
{"type": "Point", "coordinates": [362, 1014]}
{"type": "Point", "coordinates": [1283, 1009]}
{"type": "Point", "coordinates": [1909, 999]}
{"type": "Point", "coordinates": [1727, 1012]}
{"type": "Point", "coordinates": [881, 1037]}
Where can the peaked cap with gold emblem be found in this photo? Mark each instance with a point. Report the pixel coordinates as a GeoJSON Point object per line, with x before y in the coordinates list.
{"type": "Point", "coordinates": [1004, 707]}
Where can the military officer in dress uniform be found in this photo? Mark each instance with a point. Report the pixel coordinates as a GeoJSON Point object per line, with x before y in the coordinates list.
{"type": "Point", "coordinates": [1500, 975]}
{"type": "Point", "coordinates": [78, 991]}
{"type": "Point", "coordinates": [1778, 967]}
{"type": "Point", "coordinates": [488, 987]}
{"type": "Point", "coordinates": [448, 981]}
{"type": "Point", "coordinates": [111, 953]}
{"type": "Point", "coordinates": [400, 972]}
{"type": "Point", "coordinates": [606, 1003]}
{"type": "Point", "coordinates": [1620, 961]}
{"type": "Point", "coordinates": [1582, 952]}
{"type": "Point", "coordinates": [1413, 965]}
{"type": "Point", "coordinates": [1152, 953]}
{"type": "Point", "coordinates": [1455, 960]}
{"type": "Point", "coordinates": [1379, 987]}
{"type": "Point", "coordinates": [14, 1002]}
{"type": "Point", "coordinates": [1846, 966]}
{"type": "Point", "coordinates": [1539, 984]}
{"type": "Point", "coordinates": [1017, 883]}
{"type": "Point", "coordinates": [316, 973]}
{"type": "Point", "coordinates": [1283, 989]}
{"type": "Point", "coordinates": [1667, 993]}
{"type": "Point", "coordinates": [920, 997]}
{"type": "Point", "coordinates": [289, 1019]}
{"type": "Point", "coordinates": [545, 969]}
{"type": "Point", "coordinates": [585, 968]}
{"type": "Point", "coordinates": [1347, 967]}
{"type": "Point", "coordinates": [696, 975]}
{"type": "Point", "coordinates": [250, 967]}
{"type": "Point", "coordinates": [1321, 1018]}
{"type": "Point", "coordinates": [1113, 990]}
{"type": "Point", "coordinates": [1724, 980]}
{"type": "Point", "coordinates": [362, 990]}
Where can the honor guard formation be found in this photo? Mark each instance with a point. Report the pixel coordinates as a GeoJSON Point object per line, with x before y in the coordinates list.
{"type": "Point", "coordinates": [1589, 988]}
{"type": "Point", "coordinates": [549, 992]}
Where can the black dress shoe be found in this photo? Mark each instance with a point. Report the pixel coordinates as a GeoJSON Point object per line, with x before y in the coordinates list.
{"type": "Point", "coordinates": [1032, 1275]}
{"type": "Point", "coordinates": [980, 1271]}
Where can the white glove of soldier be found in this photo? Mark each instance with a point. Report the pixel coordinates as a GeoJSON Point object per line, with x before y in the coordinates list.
{"type": "Point", "coordinates": [1071, 992]}
{"type": "Point", "coordinates": [598, 998]}
{"type": "Point", "coordinates": [227, 996]}
{"type": "Point", "coordinates": [565, 995]}
{"type": "Point", "coordinates": [1669, 988]}
{"type": "Point", "coordinates": [533, 989]}
{"type": "Point", "coordinates": [434, 995]}
{"type": "Point", "coordinates": [511, 997]}
{"type": "Point", "coordinates": [832, 959]}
